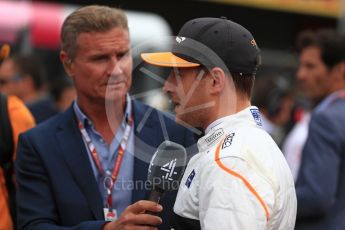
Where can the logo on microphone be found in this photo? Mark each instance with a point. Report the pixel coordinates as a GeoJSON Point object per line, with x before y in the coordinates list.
{"type": "Point", "coordinates": [169, 168]}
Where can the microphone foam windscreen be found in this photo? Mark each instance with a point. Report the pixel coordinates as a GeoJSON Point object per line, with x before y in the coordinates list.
{"type": "Point", "coordinates": [167, 166]}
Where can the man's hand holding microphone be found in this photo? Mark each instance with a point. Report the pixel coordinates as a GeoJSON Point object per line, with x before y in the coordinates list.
{"type": "Point", "coordinates": [164, 174]}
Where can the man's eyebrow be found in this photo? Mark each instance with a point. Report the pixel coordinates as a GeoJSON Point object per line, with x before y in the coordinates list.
{"type": "Point", "coordinates": [125, 51]}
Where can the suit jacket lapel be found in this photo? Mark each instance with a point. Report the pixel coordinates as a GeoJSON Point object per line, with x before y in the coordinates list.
{"type": "Point", "coordinates": [147, 138]}
{"type": "Point", "coordinates": [75, 154]}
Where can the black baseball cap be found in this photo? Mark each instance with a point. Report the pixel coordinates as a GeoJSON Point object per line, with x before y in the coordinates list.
{"type": "Point", "coordinates": [211, 42]}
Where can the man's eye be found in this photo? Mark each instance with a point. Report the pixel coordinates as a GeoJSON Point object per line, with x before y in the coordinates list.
{"type": "Point", "coordinates": [121, 55]}
{"type": "Point", "coordinates": [310, 66]}
{"type": "Point", "coordinates": [100, 58]}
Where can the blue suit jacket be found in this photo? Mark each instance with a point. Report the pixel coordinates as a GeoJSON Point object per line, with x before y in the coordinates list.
{"type": "Point", "coordinates": [320, 185]}
{"type": "Point", "coordinates": [56, 185]}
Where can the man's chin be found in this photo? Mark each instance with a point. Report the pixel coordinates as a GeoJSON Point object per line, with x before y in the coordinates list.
{"type": "Point", "coordinates": [115, 95]}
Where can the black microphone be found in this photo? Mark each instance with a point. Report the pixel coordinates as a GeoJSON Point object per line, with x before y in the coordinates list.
{"type": "Point", "coordinates": [166, 169]}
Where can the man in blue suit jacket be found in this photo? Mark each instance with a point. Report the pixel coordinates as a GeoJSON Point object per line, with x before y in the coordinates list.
{"type": "Point", "coordinates": [92, 160]}
{"type": "Point", "coordinates": [320, 184]}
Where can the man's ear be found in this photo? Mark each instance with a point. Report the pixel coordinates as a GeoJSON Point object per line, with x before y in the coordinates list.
{"type": "Point", "coordinates": [342, 71]}
{"type": "Point", "coordinates": [339, 71]}
{"type": "Point", "coordinates": [27, 79]}
{"type": "Point", "coordinates": [342, 68]}
{"type": "Point", "coordinates": [67, 63]}
{"type": "Point", "coordinates": [218, 80]}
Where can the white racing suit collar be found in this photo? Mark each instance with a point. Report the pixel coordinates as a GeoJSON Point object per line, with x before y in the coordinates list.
{"type": "Point", "coordinates": [214, 132]}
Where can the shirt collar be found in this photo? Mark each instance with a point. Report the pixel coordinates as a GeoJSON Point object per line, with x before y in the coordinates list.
{"type": "Point", "coordinates": [250, 116]}
{"type": "Point", "coordinates": [80, 115]}
{"type": "Point", "coordinates": [216, 123]}
{"type": "Point", "coordinates": [251, 112]}
{"type": "Point", "coordinates": [86, 120]}
{"type": "Point", "coordinates": [328, 100]}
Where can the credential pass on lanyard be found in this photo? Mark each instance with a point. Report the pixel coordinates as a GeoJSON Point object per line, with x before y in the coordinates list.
{"type": "Point", "coordinates": [110, 179]}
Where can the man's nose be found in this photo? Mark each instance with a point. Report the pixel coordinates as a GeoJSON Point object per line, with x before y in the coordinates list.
{"type": "Point", "coordinates": [169, 86]}
{"type": "Point", "coordinates": [115, 67]}
{"type": "Point", "coordinates": [300, 75]}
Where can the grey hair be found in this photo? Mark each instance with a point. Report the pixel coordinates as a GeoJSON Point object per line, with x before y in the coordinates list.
{"type": "Point", "coordinates": [94, 18]}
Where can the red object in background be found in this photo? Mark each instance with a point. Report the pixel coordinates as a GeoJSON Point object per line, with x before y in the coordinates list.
{"type": "Point", "coordinates": [14, 17]}
{"type": "Point", "coordinates": [298, 114]}
{"type": "Point", "coordinates": [43, 22]}
{"type": "Point", "coordinates": [45, 25]}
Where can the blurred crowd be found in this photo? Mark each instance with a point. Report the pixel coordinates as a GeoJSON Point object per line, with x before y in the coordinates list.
{"type": "Point", "coordinates": [25, 77]}
{"type": "Point", "coordinates": [314, 145]}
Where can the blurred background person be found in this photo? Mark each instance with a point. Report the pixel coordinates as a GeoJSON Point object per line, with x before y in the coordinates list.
{"type": "Point", "coordinates": [320, 185]}
{"type": "Point", "coordinates": [273, 96]}
{"type": "Point", "coordinates": [7, 85]}
{"type": "Point", "coordinates": [294, 141]}
{"type": "Point", "coordinates": [25, 78]}
{"type": "Point", "coordinates": [15, 118]}
{"type": "Point", "coordinates": [63, 93]}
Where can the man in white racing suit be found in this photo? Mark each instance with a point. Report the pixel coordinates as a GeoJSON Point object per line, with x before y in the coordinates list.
{"type": "Point", "coordinates": [239, 179]}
